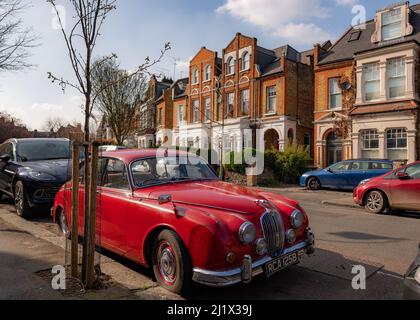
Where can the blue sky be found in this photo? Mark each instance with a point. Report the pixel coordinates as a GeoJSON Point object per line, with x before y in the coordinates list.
{"type": "Point", "coordinates": [139, 28]}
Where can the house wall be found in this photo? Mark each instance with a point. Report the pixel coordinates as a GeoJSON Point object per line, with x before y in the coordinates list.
{"type": "Point", "coordinates": [324, 123]}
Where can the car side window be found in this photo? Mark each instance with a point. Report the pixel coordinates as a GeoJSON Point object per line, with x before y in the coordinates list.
{"type": "Point", "coordinates": [355, 166]}
{"type": "Point", "coordinates": [113, 174]}
{"type": "Point", "coordinates": [413, 171]}
{"type": "Point", "coordinates": [381, 166]}
{"type": "Point", "coordinates": [341, 166]}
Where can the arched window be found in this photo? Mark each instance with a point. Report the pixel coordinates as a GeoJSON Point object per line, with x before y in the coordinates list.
{"type": "Point", "coordinates": [245, 61]}
{"type": "Point", "coordinates": [195, 76]}
{"type": "Point", "coordinates": [207, 73]}
{"type": "Point", "coordinates": [231, 66]}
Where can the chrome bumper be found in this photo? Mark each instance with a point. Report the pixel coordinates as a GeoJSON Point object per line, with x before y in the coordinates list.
{"type": "Point", "coordinates": [248, 270]}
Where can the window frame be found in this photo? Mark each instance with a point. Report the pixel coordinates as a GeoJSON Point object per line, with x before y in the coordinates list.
{"type": "Point", "coordinates": [196, 111]}
{"type": "Point", "coordinates": [207, 73]}
{"type": "Point", "coordinates": [369, 135]}
{"type": "Point", "coordinates": [228, 95]}
{"type": "Point", "coordinates": [404, 131]}
{"type": "Point", "coordinates": [391, 77]}
{"type": "Point", "coordinates": [376, 80]}
{"type": "Point", "coordinates": [334, 93]}
{"type": "Point", "coordinates": [271, 96]}
{"type": "Point", "coordinates": [180, 115]}
{"type": "Point", "coordinates": [207, 108]}
{"type": "Point", "coordinates": [230, 64]}
{"type": "Point", "coordinates": [195, 76]}
{"type": "Point", "coordinates": [246, 63]}
{"type": "Point", "coordinates": [243, 102]}
{"type": "Point", "coordinates": [389, 24]}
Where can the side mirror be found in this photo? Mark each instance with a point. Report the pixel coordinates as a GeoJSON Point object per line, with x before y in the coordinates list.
{"type": "Point", "coordinates": [403, 176]}
{"type": "Point", "coordinates": [5, 158]}
{"type": "Point", "coordinates": [330, 170]}
{"type": "Point", "coordinates": [166, 198]}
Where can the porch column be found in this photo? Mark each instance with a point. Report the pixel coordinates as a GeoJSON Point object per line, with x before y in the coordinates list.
{"type": "Point", "coordinates": [356, 146]}
{"type": "Point", "coordinates": [382, 145]}
{"type": "Point", "coordinates": [412, 152]}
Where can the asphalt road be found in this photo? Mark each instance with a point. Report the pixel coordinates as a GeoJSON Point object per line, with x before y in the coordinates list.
{"type": "Point", "coordinates": [385, 245]}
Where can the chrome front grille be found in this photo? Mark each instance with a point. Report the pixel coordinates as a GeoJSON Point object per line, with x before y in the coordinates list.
{"type": "Point", "coordinates": [274, 233]}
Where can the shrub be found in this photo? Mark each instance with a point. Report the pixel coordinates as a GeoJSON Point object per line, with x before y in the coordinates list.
{"type": "Point", "coordinates": [292, 162]}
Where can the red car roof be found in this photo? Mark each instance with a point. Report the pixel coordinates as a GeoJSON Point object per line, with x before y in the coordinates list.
{"type": "Point", "coordinates": [129, 155]}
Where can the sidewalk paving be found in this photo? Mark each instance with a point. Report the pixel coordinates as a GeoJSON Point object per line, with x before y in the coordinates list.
{"type": "Point", "coordinates": [27, 248]}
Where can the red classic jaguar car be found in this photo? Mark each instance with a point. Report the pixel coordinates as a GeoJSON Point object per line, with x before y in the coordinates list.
{"type": "Point", "coordinates": [173, 214]}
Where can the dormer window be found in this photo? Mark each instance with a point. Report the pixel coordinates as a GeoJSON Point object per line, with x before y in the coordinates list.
{"type": "Point", "coordinates": [391, 24]}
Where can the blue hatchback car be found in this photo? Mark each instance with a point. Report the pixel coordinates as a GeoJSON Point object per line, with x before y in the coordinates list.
{"type": "Point", "coordinates": [345, 175]}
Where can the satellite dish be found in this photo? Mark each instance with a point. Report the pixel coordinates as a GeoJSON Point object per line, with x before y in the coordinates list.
{"type": "Point", "coordinates": [346, 86]}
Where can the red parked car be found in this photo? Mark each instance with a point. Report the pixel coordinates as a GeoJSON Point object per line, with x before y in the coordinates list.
{"type": "Point", "coordinates": [173, 214]}
{"type": "Point", "coordinates": [399, 189]}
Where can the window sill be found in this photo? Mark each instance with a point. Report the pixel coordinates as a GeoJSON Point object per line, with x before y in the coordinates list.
{"type": "Point", "coordinates": [270, 114]}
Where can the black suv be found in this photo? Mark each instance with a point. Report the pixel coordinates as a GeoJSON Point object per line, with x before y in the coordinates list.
{"type": "Point", "coordinates": [33, 170]}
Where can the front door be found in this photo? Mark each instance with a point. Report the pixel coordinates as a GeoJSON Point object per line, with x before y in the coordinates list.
{"type": "Point", "coordinates": [334, 149]}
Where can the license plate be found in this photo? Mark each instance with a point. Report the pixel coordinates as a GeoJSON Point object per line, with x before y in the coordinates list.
{"type": "Point", "coordinates": [283, 262]}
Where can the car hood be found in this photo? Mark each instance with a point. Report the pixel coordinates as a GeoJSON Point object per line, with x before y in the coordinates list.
{"type": "Point", "coordinates": [60, 169]}
{"type": "Point", "coordinates": [211, 194]}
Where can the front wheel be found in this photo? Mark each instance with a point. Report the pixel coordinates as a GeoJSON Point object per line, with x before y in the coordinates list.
{"type": "Point", "coordinates": [21, 202]}
{"type": "Point", "coordinates": [376, 202]}
{"type": "Point", "coordinates": [171, 263]}
{"type": "Point", "coordinates": [314, 184]}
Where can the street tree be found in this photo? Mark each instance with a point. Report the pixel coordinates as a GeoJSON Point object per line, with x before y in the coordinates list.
{"type": "Point", "coordinates": [117, 102]}
{"type": "Point", "coordinates": [15, 39]}
{"type": "Point", "coordinates": [53, 124]}
{"type": "Point", "coordinates": [81, 38]}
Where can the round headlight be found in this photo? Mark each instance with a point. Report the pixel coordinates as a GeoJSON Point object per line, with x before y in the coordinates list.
{"type": "Point", "coordinates": [291, 236]}
{"type": "Point", "coordinates": [261, 247]}
{"type": "Point", "coordinates": [417, 275]}
{"type": "Point", "coordinates": [247, 233]}
{"type": "Point", "coordinates": [296, 219]}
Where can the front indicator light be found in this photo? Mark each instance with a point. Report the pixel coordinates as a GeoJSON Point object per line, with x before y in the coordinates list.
{"type": "Point", "coordinates": [261, 247]}
{"type": "Point", "coordinates": [291, 236]}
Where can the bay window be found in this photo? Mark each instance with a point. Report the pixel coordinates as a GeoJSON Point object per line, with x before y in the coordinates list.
{"type": "Point", "coordinates": [370, 144]}
{"type": "Point", "coordinates": [396, 77]}
{"type": "Point", "coordinates": [372, 78]}
{"type": "Point", "coordinates": [396, 140]}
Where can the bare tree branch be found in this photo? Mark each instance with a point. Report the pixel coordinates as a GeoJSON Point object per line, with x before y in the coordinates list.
{"type": "Point", "coordinates": [15, 40]}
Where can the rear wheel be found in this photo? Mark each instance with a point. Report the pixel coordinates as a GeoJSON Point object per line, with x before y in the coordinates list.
{"type": "Point", "coordinates": [314, 184]}
{"type": "Point", "coordinates": [376, 202]}
{"type": "Point", "coordinates": [21, 202]}
{"type": "Point", "coordinates": [171, 262]}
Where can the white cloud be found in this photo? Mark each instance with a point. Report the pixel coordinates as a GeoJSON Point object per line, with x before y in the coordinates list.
{"type": "Point", "coordinates": [346, 3]}
{"type": "Point", "coordinates": [46, 107]}
{"type": "Point", "coordinates": [288, 19]}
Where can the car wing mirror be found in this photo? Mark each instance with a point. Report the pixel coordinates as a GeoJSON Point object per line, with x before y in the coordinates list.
{"type": "Point", "coordinates": [165, 198]}
{"type": "Point", "coordinates": [403, 176]}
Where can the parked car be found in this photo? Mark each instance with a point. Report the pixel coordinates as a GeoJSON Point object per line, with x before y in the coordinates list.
{"type": "Point", "coordinates": [399, 189]}
{"type": "Point", "coordinates": [173, 214]}
{"type": "Point", "coordinates": [32, 171]}
{"type": "Point", "coordinates": [111, 148]}
{"type": "Point", "coordinates": [345, 175]}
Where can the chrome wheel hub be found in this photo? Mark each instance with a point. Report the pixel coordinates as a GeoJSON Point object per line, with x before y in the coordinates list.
{"type": "Point", "coordinates": [167, 263]}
